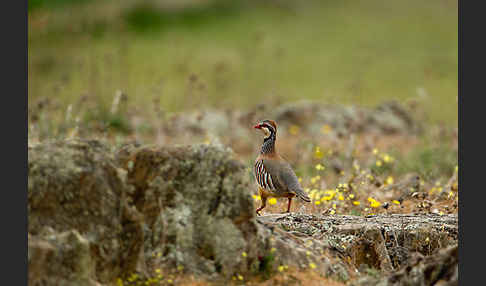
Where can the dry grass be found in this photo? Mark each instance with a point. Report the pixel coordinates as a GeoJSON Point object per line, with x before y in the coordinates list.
{"type": "Point", "coordinates": [216, 56]}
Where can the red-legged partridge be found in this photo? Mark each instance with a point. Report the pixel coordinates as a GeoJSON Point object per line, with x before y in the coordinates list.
{"type": "Point", "coordinates": [274, 176]}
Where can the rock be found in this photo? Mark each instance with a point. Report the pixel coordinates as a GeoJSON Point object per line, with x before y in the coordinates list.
{"type": "Point", "coordinates": [392, 117]}
{"type": "Point", "coordinates": [60, 259]}
{"type": "Point", "coordinates": [387, 118]}
{"type": "Point", "coordinates": [75, 184]}
{"type": "Point", "coordinates": [197, 207]}
{"type": "Point", "coordinates": [382, 242]}
{"type": "Point", "coordinates": [440, 268]}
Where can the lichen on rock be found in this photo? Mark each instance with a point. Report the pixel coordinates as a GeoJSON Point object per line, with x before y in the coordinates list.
{"type": "Point", "coordinates": [75, 184]}
{"type": "Point", "coordinates": [197, 200]}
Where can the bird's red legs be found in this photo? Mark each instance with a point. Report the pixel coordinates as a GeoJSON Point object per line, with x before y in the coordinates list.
{"type": "Point", "coordinates": [288, 208]}
{"type": "Point", "coordinates": [264, 203]}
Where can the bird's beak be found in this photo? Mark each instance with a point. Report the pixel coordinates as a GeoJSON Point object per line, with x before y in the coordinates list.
{"type": "Point", "coordinates": [258, 126]}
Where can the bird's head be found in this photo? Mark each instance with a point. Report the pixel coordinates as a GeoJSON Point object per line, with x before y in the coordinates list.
{"type": "Point", "coordinates": [268, 127]}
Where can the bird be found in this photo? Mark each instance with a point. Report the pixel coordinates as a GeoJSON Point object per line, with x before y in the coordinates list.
{"type": "Point", "coordinates": [273, 174]}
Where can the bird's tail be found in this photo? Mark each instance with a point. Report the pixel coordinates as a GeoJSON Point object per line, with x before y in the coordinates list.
{"type": "Point", "coordinates": [302, 195]}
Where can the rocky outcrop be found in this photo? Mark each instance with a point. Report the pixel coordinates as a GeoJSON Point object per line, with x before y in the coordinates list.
{"type": "Point", "coordinates": [387, 118]}
{"type": "Point", "coordinates": [76, 186]}
{"type": "Point", "coordinates": [383, 242]}
{"type": "Point", "coordinates": [440, 268]}
{"type": "Point", "coordinates": [100, 213]}
{"type": "Point", "coordinates": [197, 206]}
{"type": "Point", "coordinates": [186, 206]}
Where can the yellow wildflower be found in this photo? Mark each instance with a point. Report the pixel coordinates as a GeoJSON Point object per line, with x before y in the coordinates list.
{"type": "Point", "coordinates": [308, 253]}
{"type": "Point", "coordinates": [132, 277]}
{"type": "Point", "coordinates": [356, 203]}
{"type": "Point", "coordinates": [454, 186]}
{"type": "Point", "coordinates": [273, 249]}
{"type": "Point", "coordinates": [387, 158]}
{"type": "Point", "coordinates": [256, 197]}
{"type": "Point", "coordinates": [351, 196]}
{"type": "Point", "coordinates": [318, 153]}
{"type": "Point", "coordinates": [332, 212]}
{"type": "Point", "coordinates": [320, 167]}
{"type": "Point", "coordinates": [330, 195]}
{"type": "Point", "coordinates": [294, 129]}
{"type": "Point", "coordinates": [326, 129]}
{"type": "Point", "coordinates": [334, 206]}
{"type": "Point", "coordinates": [315, 179]}
{"type": "Point", "coordinates": [318, 203]}
{"type": "Point", "coordinates": [314, 194]}
{"type": "Point", "coordinates": [374, 203]}
{"type": "Point", "coordinates": [342, 186]}
{"type": "Point", "coordinates": [243, 254]}
{"type": "Point", "coordinates": [281, 268]}
{"type": "Point", "coordinates": [240, 277]}
{"type": "Point", "coordinates": [396, 202]}
{"type": "Point", "coordinates": [119, 282]}
{"type": "Point", "coordinates": [389, 180]}
{"type": "Point", "coordinates": [378, 163]}
{"type": "Point", "coordinates": [341, 197]}
{"type": "Point", "coordinates": [272, 201]}
{"type": "Point", "coordinates": [375, 151]}
{"type": "Point", "coordinates": [157, 270]}
{"type": "Point", "coordinates": [312, 265]}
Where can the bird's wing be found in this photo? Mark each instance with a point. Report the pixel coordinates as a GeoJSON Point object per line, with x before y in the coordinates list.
{"type": "Point", "coordinates": [284, 177]}
{"type": "Point", "coordinates": [282, 174]}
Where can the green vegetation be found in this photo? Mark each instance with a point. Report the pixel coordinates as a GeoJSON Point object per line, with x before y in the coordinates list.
{"type": "Point", "coordinates": [43, 4]}
{"type": "Point", "coordinates": [430, 162]}
{"type": "Point", "coordinates": [241, 53]}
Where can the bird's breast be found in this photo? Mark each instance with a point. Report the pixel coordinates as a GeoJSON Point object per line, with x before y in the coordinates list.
{"type": "Point", "coordinates": [262, 177]}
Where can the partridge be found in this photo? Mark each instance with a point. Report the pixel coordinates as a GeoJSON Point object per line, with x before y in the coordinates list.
{"type": "Point", "coordinates": [274, 175]}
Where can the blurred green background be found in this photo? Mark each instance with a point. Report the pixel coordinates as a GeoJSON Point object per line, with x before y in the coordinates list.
{"type": "Point", "coordinates": [235, 54]}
